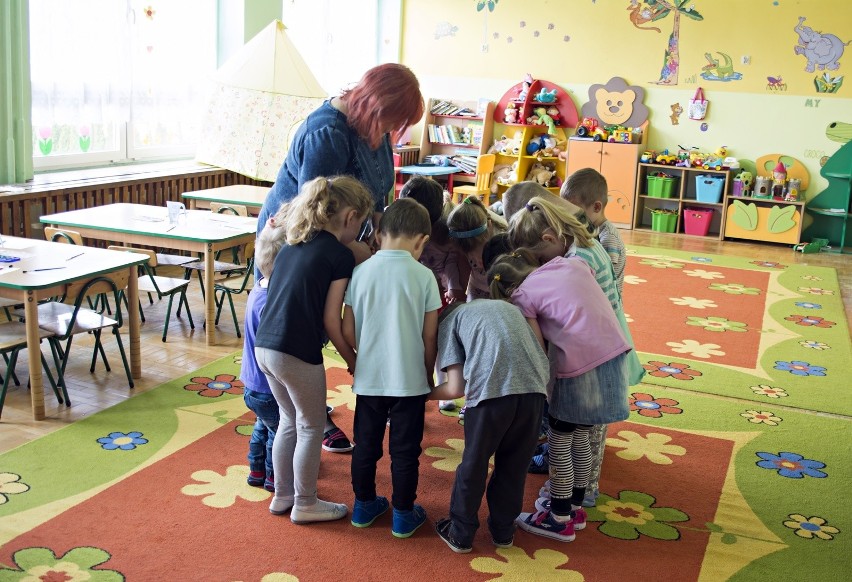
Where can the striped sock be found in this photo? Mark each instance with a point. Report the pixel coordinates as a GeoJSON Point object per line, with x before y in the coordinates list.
{"type": "Point", "coordinates": [561, 471]}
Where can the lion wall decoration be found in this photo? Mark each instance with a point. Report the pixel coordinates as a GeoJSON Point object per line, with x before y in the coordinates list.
{"type": "Point", "coordinates": [616, 103]}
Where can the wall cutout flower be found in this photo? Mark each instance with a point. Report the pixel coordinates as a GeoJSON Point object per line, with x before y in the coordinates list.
{"type": "Point", "coordinates": [734, 289]}
{"type": "Point", "coordinates": [76, 565]}
{"type": "Point", "coordinates": [769, 391]}
{"type": "Point", "coordinates": [693, 302]}
{"type": "Point", "coordinates": [544, 564]}
{"type": "Point", "coordinates": [704, 274]}
{"type": "Point", "coordinates": [809, 320]}
{"type": "Point", "coordinates": [791, 465]}
{"type": "Point", "coordinates": [215, 387]}
{"type": "Point", "coordinates": [120, 440]}
{"type": "Point", "coordinates": [651, 407]}
{"type": "Point", "coordinates": [811, 527]}
{"type": "Point", "coordinates": [674, 370]}
{"type": "Point", "coordinates": [149, 12]}
{"type": "Point", "coordinates": [221, 491]}
{"type": "Point", "coordinates": [814, 345]}
{"type": "Point", "coordinates": [654, 446]}
{"type": "Point", "coordinates": [800, 368]}
{"type": "Point", "coordinates": [632, 514]}
{"type": "Point", "coordinates": [761, 417]}
{"type": "Point", "coordinates": [696, 349]}
{"type": "Point", "coordinates": [11, 484]}
{"type": "Point", "coordinates": [717, 324]}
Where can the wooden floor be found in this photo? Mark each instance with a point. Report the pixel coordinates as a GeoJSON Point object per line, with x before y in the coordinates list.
{"type": "Point", "coordinates": [186, 349]}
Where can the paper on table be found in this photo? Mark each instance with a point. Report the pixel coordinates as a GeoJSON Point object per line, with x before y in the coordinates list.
{"type": "Point", "coordinates": [14, 244]}
{"type": "Point", "coordinates": [4, 270]}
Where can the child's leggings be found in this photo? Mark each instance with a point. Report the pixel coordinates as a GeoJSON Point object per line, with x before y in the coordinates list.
{"type": "Point", "coordinates": [570, 458]}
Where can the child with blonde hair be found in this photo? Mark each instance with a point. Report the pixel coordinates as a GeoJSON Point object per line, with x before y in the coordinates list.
{"type": "Point", "coordinates": [546, 228]}
{"type": "Point", "coordinates": [565, 307]}
{"type": "Point", "coordinates": [305, 302]}
{"type": "Point", "coordinates": [471, 224]}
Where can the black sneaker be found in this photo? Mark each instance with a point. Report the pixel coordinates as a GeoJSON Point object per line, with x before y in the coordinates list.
{"type": "Point", "coordinates": [504, 543]}
{"type": "Point", "coordinates": [443, 529]}
{"type": "Point", "coordinates": [539, 465]}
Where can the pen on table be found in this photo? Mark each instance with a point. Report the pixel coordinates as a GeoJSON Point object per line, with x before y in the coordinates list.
{"type": "Point", "coordinates": [45, 269]}
{"type": "Point", "coordinates": [170, 228]}
{"type": "Point", "coordinates": [75, 256]}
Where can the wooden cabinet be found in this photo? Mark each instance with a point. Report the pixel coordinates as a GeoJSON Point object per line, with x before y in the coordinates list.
{"type": "Point", "coordinates": [617, 163]}
{"type": "Point", "coordinates": [457, 128]}
{"type": "Point", "coordinates": [684, 200]}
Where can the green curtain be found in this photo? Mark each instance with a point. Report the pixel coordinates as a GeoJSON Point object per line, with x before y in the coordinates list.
{"type": "Point", "coordinates": [16, 141]}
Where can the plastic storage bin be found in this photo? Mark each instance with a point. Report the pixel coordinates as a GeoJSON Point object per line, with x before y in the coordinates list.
{"type": "Point", "coordinates": [697, 220]}
{"type": "Point", "coordinates": [709, 188]}
{"type": "Point", "coordinates": [661, 186]}
{"type": "Point", "coordinates": [663, 221]}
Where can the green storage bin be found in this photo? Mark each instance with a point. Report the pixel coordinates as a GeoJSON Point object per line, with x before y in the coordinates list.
{"type": "Point", "coordinates": [661, 186]}
{"type": "Point", "coordinates": [663, 221]}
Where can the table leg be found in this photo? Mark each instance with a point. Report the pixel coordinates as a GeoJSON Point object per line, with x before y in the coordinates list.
{"type": "Point", "coordinates": [209, 295]}
{"type": "Point", "coordinates": [193, 203]}
{"type": "Point", "coordinates": [34, 355]}
{"type": "Point", "coordinates": [133, 316]}
{"type": "Point", "coordinates": [450, 183]}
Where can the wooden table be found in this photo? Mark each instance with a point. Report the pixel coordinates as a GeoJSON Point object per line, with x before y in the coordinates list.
{"type": "Point", "coordinates": [23, 282]}
{"type": "Point", "coordinates": [433, 171]}
{"type": "Point", "coordinates": [198, 231]}
{"type": "Point", "coordinates": [249, 196]}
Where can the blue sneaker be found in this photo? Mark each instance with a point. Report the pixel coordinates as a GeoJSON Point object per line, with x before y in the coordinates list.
{"type": "Point", "coordinates": [542, 523]}
{"type": "Point", "coordinates": [405, 523]}
{"type": "Point", "coordinates": [365, 512]}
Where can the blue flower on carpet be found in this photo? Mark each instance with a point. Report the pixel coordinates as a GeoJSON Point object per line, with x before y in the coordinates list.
{"type": "Point", "coordinates": [702, 259]}
{"type": "Point", "coordinates": [120, 440]}
{"type": "Point", "coordinates": [808, 305]}
{"type": "Point", "coordinates": [800, 368]}
{"type": "Point", "coordinates": [791, 465]}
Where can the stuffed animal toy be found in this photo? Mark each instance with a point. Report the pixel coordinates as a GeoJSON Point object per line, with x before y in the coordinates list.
{"type": "Point", "coordinates": [500, 177]}
{"type": "Point", "coordinates": [512, 147]}
{"type": "Point", "coordinates": [540, 174]}
{"type": "Point", "coordinates": [553, 112]}
{"type": "Point", "coordinates": [510, 114]}
{"type": "Point", "coordinates": [498, 146]}
{"type": "Point", "coordinates": [545, 96]}
{"type": "Point", "coordinates": [544, 119]}
{"type": "Point", "coordinates": [525, 87]}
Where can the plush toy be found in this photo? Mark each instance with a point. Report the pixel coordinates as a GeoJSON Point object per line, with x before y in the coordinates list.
{"type": "Point", "coordinates": [544, 119]}
{"type": "Point", "coordinates": [553, 112]}
{"type": "Point", "coordinates": [510, 114]}
{"type": "Point", "coordinates": [525, 87]}
{"type": "Point", "coordinates": [498, 145]}
{"type": "Point", "coordinates": [512, 147]}
{"type": "Point", "coordinates": [545, 96]}
{"type": "Point", "coordinates": [540, 173]}
{"type": "Point", "coordinates": [500, 177]}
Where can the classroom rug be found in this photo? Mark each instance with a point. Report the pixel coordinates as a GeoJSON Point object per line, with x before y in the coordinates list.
{"type": "Point", "coordinates": [740, 327]}
{"type": "Point", "coordinates": [694, 488]}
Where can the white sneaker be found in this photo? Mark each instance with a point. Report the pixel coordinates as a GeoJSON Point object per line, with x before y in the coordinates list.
{"type": "Point", "coordinates": [280, 505]}
{"type": "Point", "coordinates": [545, 490]}
{"type": "Point", "coordinates": [446, 405]}
{"type": "Point", "coordinates": [320, 511]}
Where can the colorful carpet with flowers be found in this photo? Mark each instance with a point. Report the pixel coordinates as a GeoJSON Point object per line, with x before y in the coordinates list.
{"type": "Point", "coordinates": [695, 487]}
{"type": "Point", "coordinates": [740, 327]}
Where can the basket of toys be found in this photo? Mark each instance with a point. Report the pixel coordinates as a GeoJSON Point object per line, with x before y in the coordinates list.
{"type": "Point", "coordinates": [697, 220]}
{"type": "Point", "coordinates": [709, 188]}
{"type": "Point", "coordinates": [661, 185]}
{"type": "Point", "coordinates": [663, 220]}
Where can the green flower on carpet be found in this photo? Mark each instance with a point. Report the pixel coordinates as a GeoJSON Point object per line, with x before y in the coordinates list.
{"type": "Point", "coordinates": [120, 440]}
{"type": "Point", "coordinates": [814, 345]}
{"type": "Point", "coordinates": [695, 349]}
{"type": "Point", "coordinates": [769, 264]}
{"type": "Point", "coordinates": [760, 417]}
{"type": "Point", "coordinates": [10, 484]}
{"type": "Point", "coordinates": [808, 320]}
{"type": "Point", "coordinates": [517, 566]}
{"type": "Point", "coordinates": [215, 387]}
{"type": "Point", "coordinates": [634, 280]}
{"type": "Point", "coordinates": [674, 370]}
{"type": "Point", "coordinates": [661, 263]}
{"type": "Point", "coordinates": [810, 527]}
{"type": "Point", "coordinates": [704, 274]}
{"type": "Point", "coordinates": [223, 490]}
{"type": "Point", "coordinates": [651, 407]}
{"type": "Point", "coordinates": [244, 429]}
{"type": "Point", "coordinates": [633, 514]}
{"type": "Point", "coordinates": [769, 391]}
{"type": "Point", "coordinates": [654, 446]}
{"type": "Point", "coordinates": [449, 458]}
{"type": "Point", "coordinates": [77, 565]}
{"type": "Point", "coordinates": [716, 324]}
{"type": "Point", "coordinates": [735, 289]}
{"type": "Point", "coordinates": [815, 290]}
{"type": "Point", "coordinates": [693, 302]}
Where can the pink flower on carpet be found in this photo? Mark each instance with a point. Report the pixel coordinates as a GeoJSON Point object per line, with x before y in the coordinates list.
{"type": "Point", "coordinates": [652, 407]}
{"type": "Point", "coordinates": [215, 387]}
{"type": "Point", "coordinates": [810, 320]}
{"type": "Point", "coordinates": [674, 370]}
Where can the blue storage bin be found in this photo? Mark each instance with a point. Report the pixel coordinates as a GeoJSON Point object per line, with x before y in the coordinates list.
{"type": "Point", "coordinates": [709, 188]}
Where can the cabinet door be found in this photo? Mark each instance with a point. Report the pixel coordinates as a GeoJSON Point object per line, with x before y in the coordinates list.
{"type": "Point", "coordinates": [618, 166]}
{"type": "Point", "coordinates": [584, 154]}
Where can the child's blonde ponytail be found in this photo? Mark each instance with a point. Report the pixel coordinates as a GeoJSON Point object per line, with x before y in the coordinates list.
{"type": "Point", "coordinates": [317, 203]}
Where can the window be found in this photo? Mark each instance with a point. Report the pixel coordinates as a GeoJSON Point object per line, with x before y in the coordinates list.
{"type": "Point", "coordinates": [118, 80]}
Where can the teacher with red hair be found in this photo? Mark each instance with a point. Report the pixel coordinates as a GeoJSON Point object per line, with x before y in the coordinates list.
{"type": "Point", "coordinates": [350, 135]}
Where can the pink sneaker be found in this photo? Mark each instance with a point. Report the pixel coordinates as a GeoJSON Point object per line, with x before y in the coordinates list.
{"type": "Point", "coordinates": [542, 523]}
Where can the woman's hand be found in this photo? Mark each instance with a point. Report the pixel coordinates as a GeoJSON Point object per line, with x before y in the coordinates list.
{"type": "Point", "coordinates": [453, 295]}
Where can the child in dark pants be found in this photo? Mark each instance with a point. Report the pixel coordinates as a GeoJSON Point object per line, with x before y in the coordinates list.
{"type": "Point", "coordinates": [494, 360]}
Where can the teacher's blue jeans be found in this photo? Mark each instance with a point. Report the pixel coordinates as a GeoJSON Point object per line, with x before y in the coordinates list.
{"type": "Point", "coordinates": [264, 405]}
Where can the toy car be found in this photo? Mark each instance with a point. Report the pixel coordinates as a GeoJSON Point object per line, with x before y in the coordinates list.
{"type": "Point", "coordinates": [587, 127]}
{"type": "Point", "coordinates": [647, 157]}
{"type": "Point", "coordinates": [666, 159]}
{"type": "Point", "coordinates": [600, 134]}
{"type": "Point", "coordinates": [621, 135]}
{"type": "Point", "coordinates": [712, 164]}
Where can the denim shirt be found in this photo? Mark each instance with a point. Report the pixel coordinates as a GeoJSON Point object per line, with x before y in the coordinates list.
{"type": "Point", "coordinates": [325, 145]}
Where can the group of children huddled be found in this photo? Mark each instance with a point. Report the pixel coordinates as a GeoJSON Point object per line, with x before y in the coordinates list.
{"type": "Point", "coordinates": [528, 329]}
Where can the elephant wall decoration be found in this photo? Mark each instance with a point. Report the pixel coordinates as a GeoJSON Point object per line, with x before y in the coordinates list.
{"type": "Point", "coordinates": [823, 51]}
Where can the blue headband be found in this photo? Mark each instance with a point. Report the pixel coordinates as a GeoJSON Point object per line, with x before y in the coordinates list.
{"type": "Point", "coordinates": [469, 233]}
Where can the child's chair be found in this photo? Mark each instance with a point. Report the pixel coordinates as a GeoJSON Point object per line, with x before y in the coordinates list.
{"type": "Point", "coordinates": [482, 187]}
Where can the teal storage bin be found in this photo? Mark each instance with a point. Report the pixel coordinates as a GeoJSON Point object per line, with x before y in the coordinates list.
{"type": "Point", "coordinates": [709, 188]}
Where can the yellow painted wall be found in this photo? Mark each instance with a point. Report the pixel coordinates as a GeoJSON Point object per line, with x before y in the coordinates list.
{"type": "Point", "coordinates": [459, 52]}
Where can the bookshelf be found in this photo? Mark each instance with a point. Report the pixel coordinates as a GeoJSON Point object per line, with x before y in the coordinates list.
{"type": "Point", "coordinates": [459, 130]}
